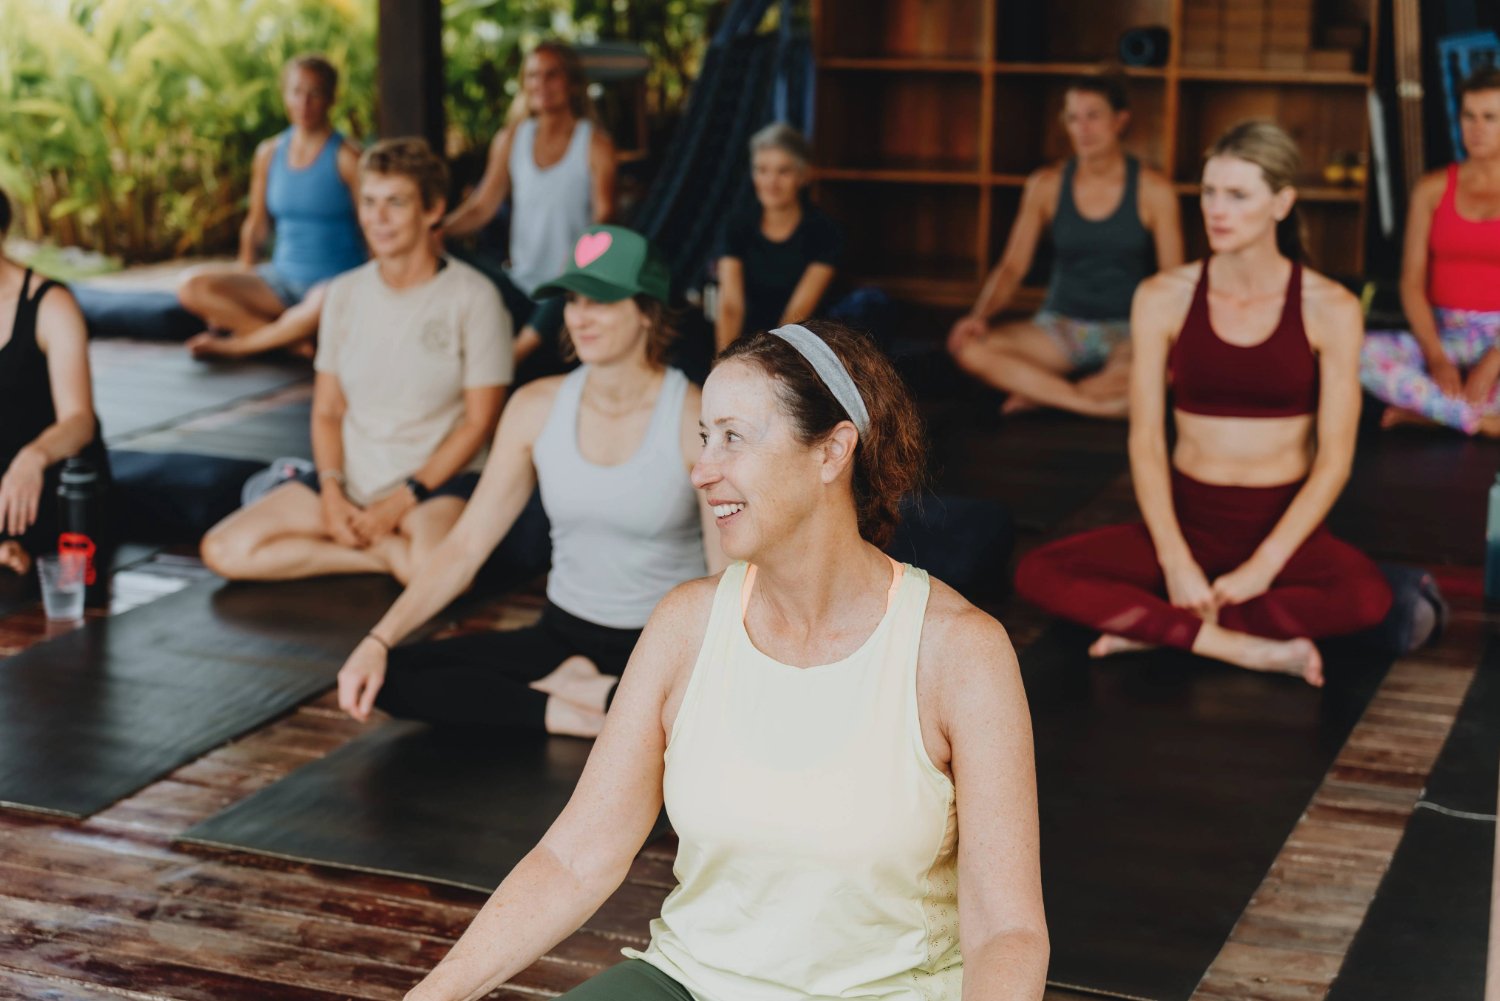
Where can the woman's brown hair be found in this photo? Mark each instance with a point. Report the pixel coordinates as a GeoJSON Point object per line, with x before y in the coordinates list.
{"type": "Point", "coordinates": [316, 64]}
{"type": "Point", "coordinates": [890, 460]}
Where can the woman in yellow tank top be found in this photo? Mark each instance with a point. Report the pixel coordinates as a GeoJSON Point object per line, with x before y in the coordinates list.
{"type": "Point", "coordinates": [842, 744]}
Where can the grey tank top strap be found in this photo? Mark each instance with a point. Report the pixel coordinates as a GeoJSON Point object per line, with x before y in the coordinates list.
{"type": "Point", "coordinates": [1098, 263]}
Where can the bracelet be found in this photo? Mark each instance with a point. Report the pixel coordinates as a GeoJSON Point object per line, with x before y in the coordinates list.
{"type": "Point", "coordinates": [371, 635]}
{"type": "Point", "coordinates": [331, 474]}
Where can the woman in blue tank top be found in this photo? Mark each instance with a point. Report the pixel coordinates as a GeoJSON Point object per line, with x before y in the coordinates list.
{"type": "Point", "coordinates": [301, 187]}
{"type": "Point", "coordinates": [610, 445]}
{"type": "Point", "coordinates": [1112, 222]}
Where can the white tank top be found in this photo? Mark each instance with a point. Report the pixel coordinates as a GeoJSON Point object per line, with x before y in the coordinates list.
{"type": "Point", "coordinates": [550, 208]}
{"type": "Point", "coordinates": [623, 535]}
{"type": "Point", "coordinates": [817, 842]}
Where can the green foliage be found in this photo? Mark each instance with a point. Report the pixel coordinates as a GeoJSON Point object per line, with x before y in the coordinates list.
{"type": "Point", "coordinates": [129, 126]}
{"type": "Point", "coordinates": [486, 40]}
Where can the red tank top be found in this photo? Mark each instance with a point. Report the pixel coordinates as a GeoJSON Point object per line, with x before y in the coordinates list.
{"type": "Point", "coordinates": [1463, 256]}
{"type": "Point", "coordinates": [1276, 378]}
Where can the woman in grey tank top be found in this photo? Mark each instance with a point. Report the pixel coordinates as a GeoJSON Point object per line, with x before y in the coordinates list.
{"type": "Point", "coordinates": [1112, 223]}
{"type": "Point", "coordinates": [611, 446]}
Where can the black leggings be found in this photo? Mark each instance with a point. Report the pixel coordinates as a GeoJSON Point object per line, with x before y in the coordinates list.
{"type": "Point", "coordinates": [482, 681]}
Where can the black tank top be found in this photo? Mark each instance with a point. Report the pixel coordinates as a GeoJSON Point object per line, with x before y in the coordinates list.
{"type": "Point", "coordinates": [1096, 265]}
{"type": "Point", "coordinates": [26, 408]}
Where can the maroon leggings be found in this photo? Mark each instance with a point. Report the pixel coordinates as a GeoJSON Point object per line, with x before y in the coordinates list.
{"type": "Point", "coordinates": [1109, 578]}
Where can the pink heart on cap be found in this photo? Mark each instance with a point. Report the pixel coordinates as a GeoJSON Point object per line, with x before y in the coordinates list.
{"type": "Point", "coordinates": [590, 248]}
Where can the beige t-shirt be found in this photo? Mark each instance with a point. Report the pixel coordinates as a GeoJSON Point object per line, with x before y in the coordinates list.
{"type": "Point", "coordinates": [403, 358]}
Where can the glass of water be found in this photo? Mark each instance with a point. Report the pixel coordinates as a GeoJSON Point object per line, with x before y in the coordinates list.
{"type": "Point", "coordinates": [62, 586]}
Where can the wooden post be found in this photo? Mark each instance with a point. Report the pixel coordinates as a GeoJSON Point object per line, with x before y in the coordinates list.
{"type": "Point", "coordinates": [409, 78]}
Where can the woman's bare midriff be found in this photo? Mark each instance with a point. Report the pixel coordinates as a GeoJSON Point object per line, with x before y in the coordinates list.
{"type": "Point", "coordinates": [1243, 451]}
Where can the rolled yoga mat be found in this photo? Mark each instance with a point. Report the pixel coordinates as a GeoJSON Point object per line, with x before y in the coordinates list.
{"type": "Point", "coordinates": [92, 716]}
{"type": "Point", "coordinates": [1426, 932]}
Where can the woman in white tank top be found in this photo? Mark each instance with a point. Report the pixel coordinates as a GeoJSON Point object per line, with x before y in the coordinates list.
{"type": "Point", "coordinates": [611, 446]}
{"type": "Point", "coordinates": [843, 746]}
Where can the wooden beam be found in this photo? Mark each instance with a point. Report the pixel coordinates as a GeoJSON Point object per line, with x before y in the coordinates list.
{"type": "Point", "coordinates": [409, 77]}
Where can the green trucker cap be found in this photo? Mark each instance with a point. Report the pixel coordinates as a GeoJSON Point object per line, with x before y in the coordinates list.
{"type": "Point", "coordinates": [611, 263]}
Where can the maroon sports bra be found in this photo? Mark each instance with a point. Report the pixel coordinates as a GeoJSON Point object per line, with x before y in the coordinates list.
{"type": "Point", "coordinates": [1276, 378]}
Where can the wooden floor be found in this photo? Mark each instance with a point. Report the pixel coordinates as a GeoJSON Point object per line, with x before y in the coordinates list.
{"type": "Point", "coordinates": [111, 908]}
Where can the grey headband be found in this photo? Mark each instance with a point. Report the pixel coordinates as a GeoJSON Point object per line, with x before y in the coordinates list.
{"type": "Point", "coordinates": [832, 371]}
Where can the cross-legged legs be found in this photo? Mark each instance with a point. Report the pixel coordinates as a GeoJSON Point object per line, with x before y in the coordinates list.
{"type": "Point", "coordinates": [557, 676]}
{"type": "Point", "coordinates": [1392, 368]}
{"type": "Point", "coordinates": [1109, 579]}
{"type": "Point", "coordinates": [1031, 360]}
{"type": "Point", "coordinates": [282, 536]}
{"type": "Point", "coordinates": [229, 298]}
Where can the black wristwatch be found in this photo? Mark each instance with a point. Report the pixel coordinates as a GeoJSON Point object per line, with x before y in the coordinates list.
{"type": "Point", "coordinates": [418, 489]}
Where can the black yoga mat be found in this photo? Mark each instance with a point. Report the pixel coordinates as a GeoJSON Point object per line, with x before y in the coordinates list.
{"type": "Point", "coordinates": [93, 715]}
{"type": "Point", "coordinates": [1418, 495]}
{"type": "Point", "coordinates": [1427, 931]}
{"type": "Point", "coordinates": [1043, 466]}
{"type": "Point", "coordinates": [1426, 934]}
{"type": "Point", "coordinates": [138, 387]}
{"type": "Point", "coordinates": [412, 801]}
{"type": "Point", "coordinates": [261, 435]}
{"type": "Point", "coordinates": [1168, 784]}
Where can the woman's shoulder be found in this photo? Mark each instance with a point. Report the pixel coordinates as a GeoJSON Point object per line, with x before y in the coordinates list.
{"type": "Point", "coordinates": [1173, 282]}
{"type": "Point", "coordinates": [538, 393]}
{"type": "Point", "coordinates": [56, 303]}
{"type": "Point", "coordinates": [1326, 301]}
{"type": "Point", "coordinates": [1430, 188]}
{"type": "Point", "coordinates": [1154, 183]}
{"type": "Point", "coordinates": [959, 639]}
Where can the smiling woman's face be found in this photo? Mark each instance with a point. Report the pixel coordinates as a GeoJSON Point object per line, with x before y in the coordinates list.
{"type": "Point", "coordinates": [760, 479]}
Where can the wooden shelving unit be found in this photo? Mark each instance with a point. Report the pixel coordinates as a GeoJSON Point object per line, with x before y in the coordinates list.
{"type": "Point", "coordinates": [931, 113]}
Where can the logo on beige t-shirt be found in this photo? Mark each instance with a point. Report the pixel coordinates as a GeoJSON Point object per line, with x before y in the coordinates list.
{"type": "Point", "coordinates": [437, 335]}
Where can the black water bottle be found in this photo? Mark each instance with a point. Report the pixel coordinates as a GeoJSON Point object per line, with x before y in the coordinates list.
{"type": "Point", "coordinates": [79, 499]}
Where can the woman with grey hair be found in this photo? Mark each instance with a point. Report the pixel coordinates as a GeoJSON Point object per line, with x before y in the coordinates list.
{"type": "Point", "coordinates": [778, 260]}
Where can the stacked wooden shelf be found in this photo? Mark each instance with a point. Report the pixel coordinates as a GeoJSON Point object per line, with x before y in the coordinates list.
{"type": "Point", "coordinates": [931, 113]}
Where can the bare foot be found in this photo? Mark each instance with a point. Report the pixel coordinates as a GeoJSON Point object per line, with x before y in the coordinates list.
{"type": "Point", "coordinates": [1297, 657]}
{"type": "Point", "coordinates": [13, 557]}
{"type": "Point", "coordinates": [1015, 403]}
{"type": "Point", "coordinates": [568, 720]}
{"type": "Point", "coordinates": [1397, 416]}
{"type": "Point", "coordinates": [211, 345]}
{"type": "Point", "coordinates": [1109, 407]}
{"type": "Point", "coordinates": [579, 683]}
{"type": "Point", "coordinates": [1109, 644]}
{"type": "Point", "coordinates": [1105, 385]}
